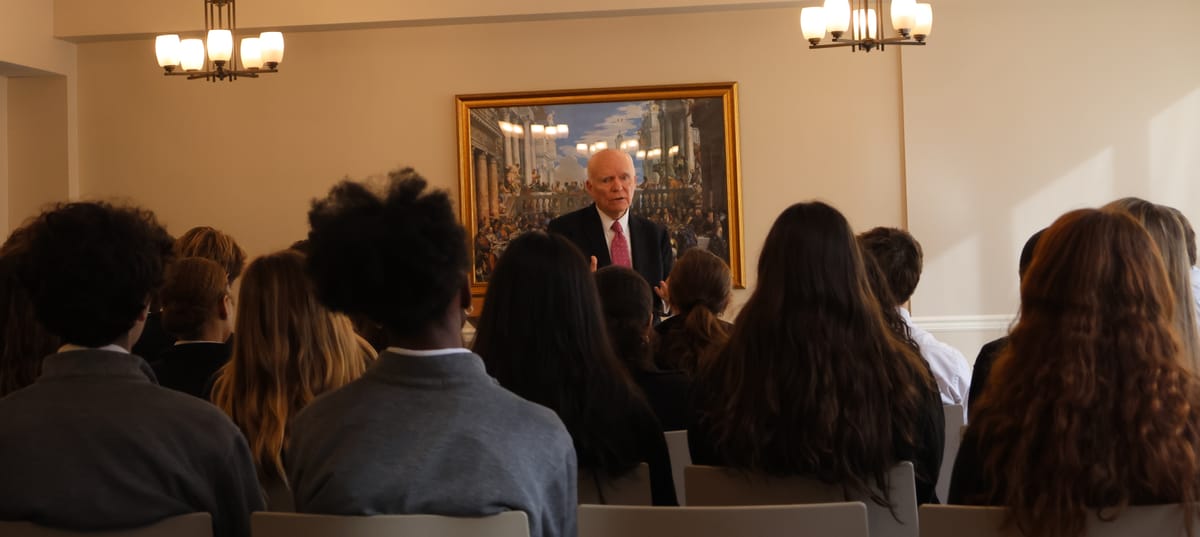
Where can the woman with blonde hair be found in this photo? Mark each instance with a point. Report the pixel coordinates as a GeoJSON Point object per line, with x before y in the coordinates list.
{"type": "Point", "coordinates": [1089, 406]}
{"type": "Point", "coordinates": [289, 349]}
{"type": "Point", "coordinates": [1170, 234]}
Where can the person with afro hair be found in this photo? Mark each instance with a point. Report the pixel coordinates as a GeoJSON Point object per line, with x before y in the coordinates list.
{"type": "Point", "coordinates": [95, 443]}
{"type": "Point", "coordinates": [425, 430]}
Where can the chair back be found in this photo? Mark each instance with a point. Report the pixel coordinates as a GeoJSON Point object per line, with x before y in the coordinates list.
{"type": "Point", "coordinates": [632, 488]}
{"type": "Point", "coordinates": [1136, 521]}
{"type": "Point", "coordinates": [681, 457]}
{"type": "Point", "coordinates": [956, 418]}
{"type": "Point", "coordinates": [710, 485]}
{"type": "Point", "coordinates": [847, 519]}
{"type": "Point", "coordinates": [506, 524]}
{"type": "Point", "coordinates": [189, 525]}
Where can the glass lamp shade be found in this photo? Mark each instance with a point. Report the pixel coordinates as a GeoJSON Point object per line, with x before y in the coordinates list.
{"type": "Point", "coordinates": [271, 44]}
{"type": "Point", "coordinates": [904, 13]}
{"type": "Point", "coordinates": [924, 19]}
{"type": "Point", "coordinates": [812, 23]}
{"type": "Point", "coordinates": [166, 47]}
{"type": "Point", "coordinates": [251, 53]}
{"type": "Point", "coordinates": [220, 45]}
{"type": "Point", "coordinates": [865, 24]}
{"type": "Point", "coordinates": [191, 54]}
{"type": "Point", "coordinates": [837, 15]}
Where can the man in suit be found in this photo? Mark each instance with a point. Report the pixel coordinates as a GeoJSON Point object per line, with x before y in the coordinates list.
{"type": "Point", "coordinates": [606, 231]}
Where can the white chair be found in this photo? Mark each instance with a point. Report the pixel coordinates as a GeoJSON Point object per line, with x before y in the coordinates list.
{"type": "Point", "coordinates": [711, 485]}
{"type": "Point", "coordinates": [189, 525]}
{"type": "Point", "coordinates": [848, 519]}
{"type": "Point", "coordinates": [632, 488]}
{"type": "Point", "coordinates": [506, 524]}
{"type": "Point", "coordinates": [1138, 521]}
{"type": "Point", "coordinates": [681, 457]}
{"type": "Point", "coordinates": [956, 418]}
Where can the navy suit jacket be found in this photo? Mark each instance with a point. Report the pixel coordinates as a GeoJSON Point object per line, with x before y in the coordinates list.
{"type": "Point", "coordinates": [650, 244]}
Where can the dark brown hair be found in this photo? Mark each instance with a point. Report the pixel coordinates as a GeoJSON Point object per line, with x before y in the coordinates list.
{"type": "Point", "coordinates": [1089, 405]}
{"type": "Point", "coordinates": [700, 288]}
{"type": "Point", "coordinates": [23, 340]}
{"type": "Point", "coordinates": [899, 256]}
{"type": "Point", "coordinates": [628, 306]}
{"type": "Point", "coordinates": [812, 382]}
{"type": "Point", "coordinates": [191, 296]}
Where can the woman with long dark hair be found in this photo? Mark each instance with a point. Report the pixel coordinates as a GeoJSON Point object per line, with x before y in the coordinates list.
{"type": "Point", "coordinates": [1089, 405]}
{"type": "Point", "coordinates": [542, 335]}
{"type": "Point", "coordinates": [628, 306]}
{"type": "Point", "coordinates": [812, 381]}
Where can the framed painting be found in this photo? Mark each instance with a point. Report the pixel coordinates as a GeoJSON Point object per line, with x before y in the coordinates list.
{"type": "Point", "coordinates": [523, 161]}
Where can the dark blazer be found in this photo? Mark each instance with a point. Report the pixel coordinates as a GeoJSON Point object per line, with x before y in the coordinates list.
{"type": "Point", "coordinates": [651, 245]}
{"type": "Point", "coordinates": [187, 368]}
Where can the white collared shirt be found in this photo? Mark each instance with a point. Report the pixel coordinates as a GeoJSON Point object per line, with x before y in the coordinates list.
{"type": "Point", "coordinates": [607, 222]}
{"type": "Point", "coordinates": [949, 366]}
{"type": "Point", "coordinates": [110, 347]}
{"type": "Point", "coordinates": [431, 352]}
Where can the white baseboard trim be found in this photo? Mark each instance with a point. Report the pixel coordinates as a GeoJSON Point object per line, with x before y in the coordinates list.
{"type": "Point", "coordinates": [964, 323]}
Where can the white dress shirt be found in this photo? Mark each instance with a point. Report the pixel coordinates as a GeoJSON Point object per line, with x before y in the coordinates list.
{"type": "Point", "coordinates": [607, 222]}
{"type": "Point", "coordinates": [949, 366]}
{"type": "Point", "coordinates": [1196, 291]}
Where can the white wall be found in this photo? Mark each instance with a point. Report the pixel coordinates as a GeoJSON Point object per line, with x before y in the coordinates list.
{"type": "Point", "coordinates": [248, 156]}
{"type": "Point", "coordinates": [1018, 111]}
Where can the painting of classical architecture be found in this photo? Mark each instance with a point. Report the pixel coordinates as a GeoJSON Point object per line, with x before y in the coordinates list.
{"type": "Point", "coordinates": [524, 161]}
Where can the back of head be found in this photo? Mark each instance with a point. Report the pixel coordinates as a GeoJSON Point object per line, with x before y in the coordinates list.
{"type": "Point", "coordinates": [899, 256]}
{"type": "Point", "coordinates": [289, 349]}
{"type": "Point", "coordinates": [214, 245]}
{"type": "Point", "coordinates": [1091, 406]}
{"type": "Point", "coordinates": [191, 296]}
{"type": "Point", "coordinates": [1189, 235]}
{"type": "Point", "coordinates": [888, 305]}
{"type": "Point", "coordinates": [628, 306]}
{"type": "Point", "coordinates": [398, 257]}
{"type": "Point", "coordinates": [89, 268]}
{"type": "Point", "coordinates": [1027, 253]}
{"type": "Point", "coordinates": [542, 336]}
{"type": "Point", "coordinates": [1168, 233]}
{"type": "Point", "coordinates": [700, 288]}
{"type": "Point", "coordinates": [812, 382]}
{"type": "Point", "coordinates": [23, 341]}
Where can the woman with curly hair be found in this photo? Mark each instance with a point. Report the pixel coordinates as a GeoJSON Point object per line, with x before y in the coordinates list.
{"type": "Point", "coordinates": [23, 340]}
{"type": "Point", "coordinates": [812, 382]}
{"type": "Point", "coordinates": [699, 288]}
{"type": "Point", "coordinates": [1089, 406]}
{"type": "Point", "coordinates": [289, 349]}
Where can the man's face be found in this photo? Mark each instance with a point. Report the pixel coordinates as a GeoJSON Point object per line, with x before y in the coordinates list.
{"type": "Point", "coordinates": [611, 182]}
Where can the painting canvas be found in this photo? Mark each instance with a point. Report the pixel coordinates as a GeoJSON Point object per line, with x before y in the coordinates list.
{"type": "Point", "coordinates": [523, 161]}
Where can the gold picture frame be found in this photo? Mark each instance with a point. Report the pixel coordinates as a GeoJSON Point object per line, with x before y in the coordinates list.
{"type": "Point", "coordinates": [523, 158]}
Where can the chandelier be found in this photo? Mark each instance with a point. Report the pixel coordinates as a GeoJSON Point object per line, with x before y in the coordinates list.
{"type": "Point", "coordinates": [260, 54]}
{"type": "Point", "coordinates": [911, 20]}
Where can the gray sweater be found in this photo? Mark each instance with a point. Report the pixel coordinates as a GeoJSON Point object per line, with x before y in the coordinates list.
{"type": "Point", "coordinates": [96, 444]}
{"type": "Point", "coordinates": [433, 435]}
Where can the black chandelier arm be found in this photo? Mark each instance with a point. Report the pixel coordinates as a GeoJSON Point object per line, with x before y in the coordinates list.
{"type": "Point", "coordinates": [224, 73]}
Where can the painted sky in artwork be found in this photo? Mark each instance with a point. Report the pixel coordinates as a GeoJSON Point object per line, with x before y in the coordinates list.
{"type": "Point", "coordinates": [590, 123]}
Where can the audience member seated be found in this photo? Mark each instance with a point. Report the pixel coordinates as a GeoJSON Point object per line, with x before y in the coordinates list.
{"type": "Point", "coordinates": [23, 340]}
{"type": "Point", "coordinates": [990, 350]}
{"type": "Point", "coordinates": [1089, 406]}
{"type": "Point", "coordinates": [699, 289]}
{"type": "Point", "coordinates": [1189, 242]}
{"type": "Point", "coordinates": [203, 242]}
{"type": "Point", "coordinates": [425, 430]}
{"type": "Point", "coordinates": [197, 310]}
{"type": "Point", "coordinates": [890, 308]}
{"type": "Point", "coordinates": [899, 256]}
{"type": "Point", "coordinates": [542, 335]}
{"type": "Point", "coordinates": [95, 443]}
{"type": "Point", "coordinates": [628, 306]}
{"type": "Point", "coordinates": [812, 382]}
{"type": "Point", "coordinates": [1169, 234]}
{"type": "Point", "coordinates": [289, 349]}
